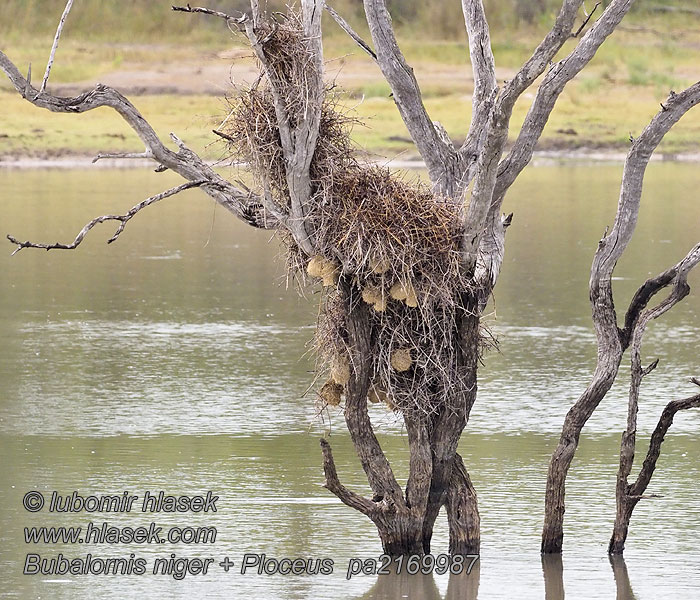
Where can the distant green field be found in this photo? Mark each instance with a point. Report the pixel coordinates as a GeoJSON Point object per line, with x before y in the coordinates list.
{"type": "Point", "coordinates": [35, 132]}
{"type": "Point", "coordinates": [128, 20]}
{"type": "Point", "coordinates": [652, 53]}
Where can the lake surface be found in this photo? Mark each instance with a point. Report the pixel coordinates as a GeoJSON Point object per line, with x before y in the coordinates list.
{"type": "Point", "coordinates": [175, 360]}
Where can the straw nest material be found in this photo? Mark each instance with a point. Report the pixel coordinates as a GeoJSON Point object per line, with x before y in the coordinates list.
{"type": "Point", "coordinates": [393, 239]}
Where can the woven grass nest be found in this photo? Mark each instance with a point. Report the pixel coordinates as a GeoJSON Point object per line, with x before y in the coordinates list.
{"type": "Point", "coordinates": [393, 238]}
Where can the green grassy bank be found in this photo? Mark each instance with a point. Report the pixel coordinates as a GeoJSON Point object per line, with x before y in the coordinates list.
{"type": "Point", "coordinates": [133, 41]}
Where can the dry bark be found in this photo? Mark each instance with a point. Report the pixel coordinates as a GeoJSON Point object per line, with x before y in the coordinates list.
{"type": "Point", "coordinates": [441, 160]}
{"type": "Point", "coordinates": [462, 511]}
{"type": "Point", "coordinates": [451, 170]}
{"type": "Point", "coordinates": [613, 341]}
{"type": "Point", "coordinates": [437, 474]}
{"type": "Point", "coordinates": [54, 47]}
{"type": "Point", "coordinates": [628, 495]}
{"type": "Point", "coordinates": [184, 162]}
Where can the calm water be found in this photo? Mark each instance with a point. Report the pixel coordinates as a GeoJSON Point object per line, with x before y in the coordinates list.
{"type": "Point", "coordinates": [175, 360]}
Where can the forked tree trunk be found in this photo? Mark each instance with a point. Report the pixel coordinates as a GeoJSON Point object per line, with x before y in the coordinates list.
{"type": "Point", "coordinates": [613, 340]}
{"type": "Point", "coordinates": [610, 356]}
{"type": "Point", "coordinates": [437, 475]}
{"type": "Point", "coordinates": [401, 533]}
{"type": "Point", "coordinates": [629, 495]}
{"type": "Point", "coordinates": [405, 519]}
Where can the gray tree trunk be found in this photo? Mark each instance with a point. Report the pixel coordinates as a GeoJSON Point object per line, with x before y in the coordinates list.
{"type": "Point", "coordinates": [474, 177]}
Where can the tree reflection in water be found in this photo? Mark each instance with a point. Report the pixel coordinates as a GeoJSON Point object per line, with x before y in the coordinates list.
{"type": "Point", "coordinates": [553, 571]}
{"type": "Point", "coordinates": [622, 580]}
{"type": "Point", "coordinates": [466, 586]}
{"type": "Point", "coordinates": [423, 587]}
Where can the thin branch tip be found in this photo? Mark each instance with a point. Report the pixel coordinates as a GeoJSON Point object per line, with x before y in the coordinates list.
{"type": "Point", "coordinates": [123, 219]}
{"type": "Point", "coordinates": [586, 20]}
{"type": "Point", "coordinates": [650, 368]}
{"type": "Point", "coordinates": [208, 11]}
{"type": "Point", "coordinates": [54, 47]}
{"type": "Point", "coordinates": [223, 135]}
{"type": "Point", "coordinates": [345, 26]}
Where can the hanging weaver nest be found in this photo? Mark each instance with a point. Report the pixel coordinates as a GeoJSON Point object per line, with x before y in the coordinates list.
{"type": "Point", "coordinates": [394, 239]}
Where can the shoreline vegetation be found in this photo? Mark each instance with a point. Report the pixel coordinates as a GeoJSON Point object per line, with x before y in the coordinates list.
{"type": "Point", "coordinates": [177, 70]}
{"type": "Point", "coordinates": [70, 160]}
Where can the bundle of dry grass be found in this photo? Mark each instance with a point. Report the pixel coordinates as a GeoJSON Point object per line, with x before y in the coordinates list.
{"type": "Point", "coordinates": [393, 239]}
{"type": "Point", "coordinates": [253, 135]}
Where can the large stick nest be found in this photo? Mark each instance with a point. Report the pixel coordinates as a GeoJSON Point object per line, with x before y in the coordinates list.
{"type": "Point", "coordinates": [396, 241]}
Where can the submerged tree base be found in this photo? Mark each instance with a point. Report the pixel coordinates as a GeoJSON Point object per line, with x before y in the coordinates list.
{"type": "Point", "coordinates": [408, 268]}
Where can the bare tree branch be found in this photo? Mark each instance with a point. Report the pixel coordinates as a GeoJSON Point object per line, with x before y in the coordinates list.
{"type": "Point", "coordinates": [485, 88]}
{"type": "Point", "coordinates": [446, 167]}
{"type": "Point", "coordinates": [647, 291]}
{"type": "Point", "coordinates": [223, 135]}
{"type": "Point", "coordinates": [612, 342]}
{"type": "Point", "coordinates": [650, 367]}
{"type": "Point", "coordinates": [345, 26]}
{"type": "Point", "coordinates": [102, 155]}
{"type": "Point", "coordinates": [657, 438]}
{"type": "Point", "coordinates": [374, 462]}
{"type": "Point", "coordinates": [184, 162]}
{"type": "Point", "coordinates": [256, 12]}
{"type": "Point", "coordinates": [440, 156]}
{"type": "Point", "coordinates": [123, 220]}
{"type": "Point", "coordinates": [29, 80]}
{"type": "Point", "coordinates": [482, 216]}
{"type": "Point", "coordinates": [589, 16]}
{"type": "Point", "coordinates": [548, 93]}
{"type": "Point", "coordinates": [613, 245]}
{"type": "Point", "coordinates": [610, 351]}
{"type": "Point", "coordinates": [679, 291]}
{"type": "Point", "coordinates": [308, 128]}
{"type": "Point", "coordinates": [480, 200]}
{"type": "Point", "coordinates": [543, 54]}
{"type": "Point", "coordinates": [346, 496]}
{"type": "Point", "coordinates": [628, 496]}
{"type": "Point", "coordinates": [298, 132]}
{"type": "Point", "coordinates": [208, 11]}
{"type": "Point", "coordinates": [641, 298]}
{"type": "Point", "coordinates": [49, 64]}
{"type": "Point", "coordinates": [276, 86]}
{"type": "Point", "coordinates": [481, 55]}
{"type": "Point", "coordinates": [490, 258]}
{"type": "Point", "coordinates": [298, 139]}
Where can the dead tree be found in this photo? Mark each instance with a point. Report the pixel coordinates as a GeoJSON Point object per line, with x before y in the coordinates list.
{"type": "Point", "coordinates": [627, 495]}
{"type": "Point", "coordinates": [407, 268]}
{"type": "Point", "coordinates": [622, 578]}
{"type": "Point", "coordinates": [614, 340]}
